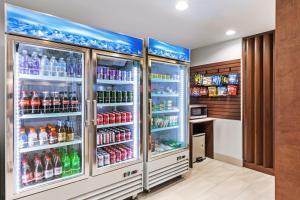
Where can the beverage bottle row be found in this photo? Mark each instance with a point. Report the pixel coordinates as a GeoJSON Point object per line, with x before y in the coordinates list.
{"type": "Point", "coordinates": [114, 117]}
{"type": "Point", "coordinates": [106, 73]}
{"type": "Point", "coordinates": [114, 96]}
{"type": "Point", "coordinates": [113, 154]}
{"type": "Point", "coordinates": [164, 76]}
{"type": "Point", "coordinates": [38, 64]}
{"type": "Point", "coordinates": [112, 135]}
{"type": "Point", "coordinates": [165, 121]}
{"type": "Point", "coordinates": [45, 103]}
{"type": "Point", "coordinates": [48, 166]}
{"type": "Point", "coordinates": [62, 132]}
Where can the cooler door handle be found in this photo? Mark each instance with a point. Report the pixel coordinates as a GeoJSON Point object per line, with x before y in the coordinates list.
{"type": "Point", "coordinates": [88, 113]}
{"type": "Point", "coordinates": [95, 112]}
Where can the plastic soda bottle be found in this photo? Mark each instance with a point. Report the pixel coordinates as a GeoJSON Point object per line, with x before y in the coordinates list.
{"type": "Point", "coordinates": [66, 162]}
{"type": "Point", "coordinates": [75, 162]}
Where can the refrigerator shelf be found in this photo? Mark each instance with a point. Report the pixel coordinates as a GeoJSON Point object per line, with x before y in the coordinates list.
{"type": "Point", "coordinates": [114, 104]}
{"type": "Point", "coordinates": [164, 95]}
{"type": "Point", "coordinates": [114, 125]}
{"type": "Point", "coordinates": [164, 81]}
{"type": "Point", "coordinates": [115, 82]}
{"type": "Point", "coordinates": [49, 146]}
{"type": "Point", "coordinates": [165, 111]}
{"type": "Point", "coordinates": [48, 78]}
{"type": "Point", "coordinates": [115, 143]}
{"type": "Point", "coordinates": [164, 129]}
{"type": "Point", "coordinates": [118, 163]}
{"type": "Point", "coordinates": [49, 115]}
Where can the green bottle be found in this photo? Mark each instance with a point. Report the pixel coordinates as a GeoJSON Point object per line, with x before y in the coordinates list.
{"type": "Point", "coordinates": [66, 165]}
{"type": "Point", "coordinates": [75, 162]}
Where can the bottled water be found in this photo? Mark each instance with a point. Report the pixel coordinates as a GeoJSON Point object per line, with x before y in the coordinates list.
{"type": "Point", "coordinates": [54, 66]}
{"type": "Point", "coordinates": [24, 62]}
{"type": "Point", "coordinates": [35, 64]}
{"type": "Point", "coordinates": [63, 67]}
{"type": "Point", "coordinates": [45, 66]}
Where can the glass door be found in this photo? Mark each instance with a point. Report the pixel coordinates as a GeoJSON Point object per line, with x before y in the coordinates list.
{"type": "Point", "coordinates": [168, 126]}
{"type": "Point", "coordinates": [48, 114]}
{"type": "Point", "coordinates": [117, 111]}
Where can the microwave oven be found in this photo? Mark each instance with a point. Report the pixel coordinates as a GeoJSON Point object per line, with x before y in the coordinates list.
{"type": "Point", "coordinates": [198, 111]}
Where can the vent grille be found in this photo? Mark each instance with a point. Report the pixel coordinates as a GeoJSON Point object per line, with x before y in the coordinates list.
{"type": "Point", "coordinates": [120, 190]}
{"type": "Point", "coordinates": [169, 172]}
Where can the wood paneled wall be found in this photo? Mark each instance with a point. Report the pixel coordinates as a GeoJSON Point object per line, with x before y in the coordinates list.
{"type": "Point", "coordinates": [219, 107]}
{"type": "Point", "coordinates": [287, 100]}
{"type": "Point", "coordinates": [258, 82]}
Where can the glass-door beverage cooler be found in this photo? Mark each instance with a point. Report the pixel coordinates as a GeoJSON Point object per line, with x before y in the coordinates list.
{"type": "Point", "coordinates": [117, 111]}
{"type": "Point", "coordinates": [46, 104]}
{"type": "Point", "coordinates": [166, 136]}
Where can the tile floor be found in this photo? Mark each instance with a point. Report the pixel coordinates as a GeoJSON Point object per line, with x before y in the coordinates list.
{"type": "Point", "coordinates": [216, 180]}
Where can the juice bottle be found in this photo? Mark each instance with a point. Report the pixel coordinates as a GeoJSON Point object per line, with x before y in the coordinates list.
{"type": "Point", "coordinates": [75, 162]}
{"type": "Point", "coordinates": [61, 132]}
{"type": "Point", "coordinates": [38, 169]}
{"type": "Point", "coordinates": [43, 136]}
{"type": "Point", "coordinates": [69, 131]}
{"type": "Point", "coordinates": [53, 136]}
{"type": "Point", "coordinates": [58, 170]}
{"type": "Point", "coordinates": [24, 104]}
{"type": "Point", "coordinates": [66, 165]}
{"type": "Point", "coordinates": [32, 137]}
{"type": "Point", "coordinates": [26, 172]}
{"type": "Point", "coordinates": [35, 103]}
{"type": "Point", "coordinates": [48, 167]}
{"type": "Point", "coordinates": [23, 138]}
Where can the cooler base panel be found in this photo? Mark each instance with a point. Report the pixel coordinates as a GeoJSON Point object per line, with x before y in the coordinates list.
{"type": "Point", "coordinates": [164, 169]}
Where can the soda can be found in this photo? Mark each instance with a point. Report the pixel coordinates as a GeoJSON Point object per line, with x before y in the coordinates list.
{"type": "Point", "coordinates": [128, 117]}
{"type": "Point", "coordinates": [118, 75]}
{"type": "Point", "coordinates": [99, 73]}
{"type": "Point", "coordinates": [105, 118]}
{"type": "Point", "coordinates": [100, 160]}
{"type": "Point", "coordinates": [123, 154]}
{"type": "Point", "coordinates": [118, 117]}
{"type": "Point", "coordinates": [106, 96]}
{"type": "Point", "coordinates": [105, 75]}
{"type": "Point", "coordinates": [119, 96]}
{"type": "Point", "coordinates": [112, 74]}
{"type": "Point", "coordinates": [129, 96]}
{"type": "Point", "coordinates": [122, 135]}
{"type": "Point", "coordinates": [113, 96]}
{"type": "Point", "coordinates": [112, 137]}
{"type": "Point", "coordinates": [100, 96]}
{"type": "Point", "coordinates": [117, 136]}
{"type": "Point", "coordinates": [99, 138]}
{"type": "Point", "coordinates": [127, 134]}
{"type": "Point", "coordinates": [124, 96]}
{"type": "Point", "coordinates": [112, 157]}
{"type": "Point", "coordinates": [106, 159]}
{"type": "Point", "coordinates": [99, 119]}
{"type": "Point", "coordinates": [107, 138]}
{"type": "Point", "coordinates": [123, 117]}
{"type": "Point", "coordinates": [123, 76]}
{"type": "Point", "coordinates": [112, 118]}
{"type": "Point", "coordinates": [129, 153]}
{"type": "Point", "coordinates": [128, 76]}
{"type": "Point", "coordinates": [118, 155]}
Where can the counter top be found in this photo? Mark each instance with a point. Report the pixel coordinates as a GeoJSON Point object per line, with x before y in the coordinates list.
{"type": "Point", "coordinates": [194, 121]}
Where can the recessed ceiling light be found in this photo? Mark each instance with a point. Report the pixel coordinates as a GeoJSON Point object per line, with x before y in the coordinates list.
{"type": "Point", "coordinates": [182, 5]}
{"type": "Point", "coordinates": [230, 32]}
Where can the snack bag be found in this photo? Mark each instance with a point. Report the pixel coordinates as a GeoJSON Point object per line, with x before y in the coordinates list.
{"type": "Point", "coordinates": [222, 91]}
{"type": "Point", "coordinates": [224, 80]}
{"type": "Point", "coordinates": [203, 91]}
{"type": "Point", "coordinates": [233, 79]}
{"type": "Point", "coordinates": [216, 80]}
{"type": "Point", "coordinates": [207, 80]}
{"type": "Point", "coordinates": [232, 90]}
{"type": "Point", "coordinates": [195, 91]}
{"type": "Point", "coordinates": [212, 91]}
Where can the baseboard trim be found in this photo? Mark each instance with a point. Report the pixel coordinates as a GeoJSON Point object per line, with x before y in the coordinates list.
{"type": "Point", "coordinates": [228, 159]}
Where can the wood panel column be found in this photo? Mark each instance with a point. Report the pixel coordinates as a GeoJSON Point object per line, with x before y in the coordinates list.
{"type": "Point", "coordinates": [258, 102]}
{"type": "Point", "coordinates": [287, 100]}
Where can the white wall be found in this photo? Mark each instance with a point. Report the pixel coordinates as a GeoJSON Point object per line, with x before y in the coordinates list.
{"type": "Point", "coordinates": [228, 135]}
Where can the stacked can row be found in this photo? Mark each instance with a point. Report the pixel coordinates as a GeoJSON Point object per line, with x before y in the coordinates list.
{"type": "Point", "coordinates": [106, 73]}
{"type": "Point", "coordinates": [113, 154]}
{"type": "Point", "coordinates": [114, 117]}
{"type": "Point", "coordinates": [112, 135]}
{"type": "Point", "coordinates": [114, 96]}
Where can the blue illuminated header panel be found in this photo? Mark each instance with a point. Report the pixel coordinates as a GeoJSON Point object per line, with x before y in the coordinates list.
{"type": "Point", "coordinates": [166, 50]}
{"type": "Point", "coordinates": [35, 24]}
